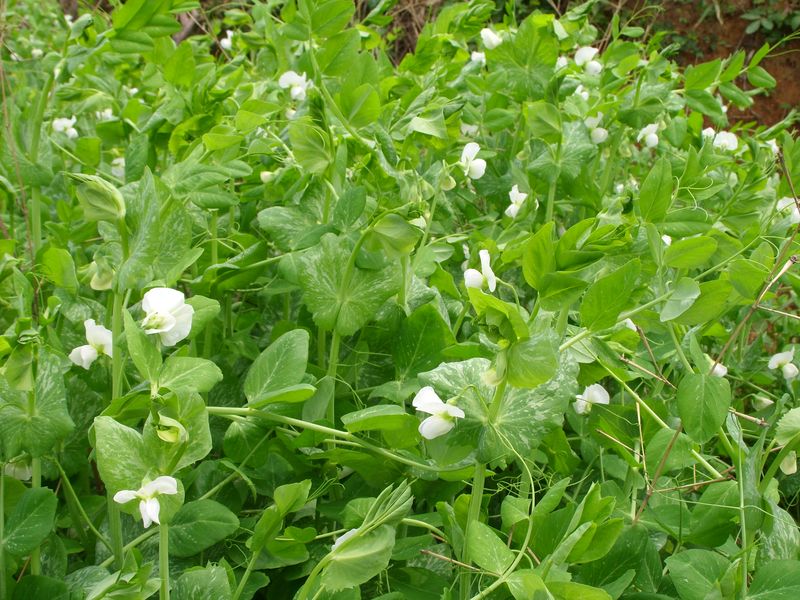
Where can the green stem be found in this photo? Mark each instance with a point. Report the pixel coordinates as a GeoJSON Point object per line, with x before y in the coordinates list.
{"type": "Point", "coordinates": [132, 544]}
{"type": "Point", "coordinates": [246, 575]}
{"type": "Point", "coordinates": [333, 365]}
{"type": "Point", "coordinates": [793, 444]}
{"type": "Point", "coordinates": [36, 137]}
{"type": "Point", "coordinates": [551, 200]}
{"type": "Point", "coordinates": [402, 299]}
{"type": "Point", "coordinates": [163, 559]}
{"type": "Point", "coordinates": [675, 342]}
{"type": "Point", "coordinates": [36, 482]}
{"type": "Point", "coordinates": [73, 500]}
{"type": "Point", "coordinates": [2, 531]}
{"type": "Point", "coordinates": [473, 515]}
{"type": "Point", "coordinates": [227, 411]}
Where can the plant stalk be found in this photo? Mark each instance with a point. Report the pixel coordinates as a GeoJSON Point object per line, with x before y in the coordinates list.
{"type": "Point", "coordinates": [163, 560]}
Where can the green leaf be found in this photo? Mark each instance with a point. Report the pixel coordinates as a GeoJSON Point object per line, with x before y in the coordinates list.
{"type": "Point", "coordinates": [359, 559]}
{"type": "Point", "coordinates": [208, 582]}
{"type": "Point", "coordinates": [132, 42]}
{"type": "Point", "coordinates": [41, 586]}
{"type": "Point", "coordinates": [396, 235]}
{"type": "Point", "coordinates": [120, 455]}
{"type": "Point", "coordinates": [144, 221]}
{"type": "Point", "coordinates": [205, 310]}
{"type": "Point", "coordinates": [607, 296]}
{"type": "Point", "coordinates": [418, 347]}
{"type": "Point", "coordinates": [36, 427]}
{"type": "Point", "coordinates": [199, 525]}
{"type": "Point", "coordinates": [788, 426]}
{"type": "Point", "coordinates": [310, 146]}
{"type": "Point", "coordinates": [290, 394]}
{"type": "Point", "coordinates": [57, 265]}
{"type": "Point", "coordinates": [714, 299]}
{"type": "Point", "coordinates": [336, 301]}
{"type": "Point", "coordinates": [360, 105]}
{"type": "Point", "coordinates": [291, 497]}
{"type": "Point", "coordinates": [486, 549]}
{"type": "Point", "coordinates": [280, 365]}
{"type": "Point", "coordinates": [349, 207]}
{"type": "Point", "coordinates": [655, 196]}
{"type": "Point", "coordinates": [539, 258]}
{"type": "Point", "coordinates": [686, 291]}
{"type": "Point", "coordinates": [532, 361]}
{"type": "Point", "coordinates": [690, 253]}
{"type": "Point", "coordinates": [142, 349]}
{"type": "Point", "coordinates": [703, 402]}
{"type": "Point", "coordinates": [267, 527]}
{"type": "Point", "coordinates": [695, 573]}
{"type": "Point", "coordinates": [759, 77]}
{"type": "Point", "coordinates": [778, 580]}
{"type": "Point", "coordinates": [525, 584]}
{"type": "Point", "coordinates": [187, 373]}
{"type": "Point", "coordinates": [544, 121]}
{"type": "Point", "coordinates": [567, 590]}
{"type": "Point", "coordinates": [100, 200]}
{"type": "Point", "coordinates": [381, 417]}
{"type": "Point", "coordinates": [702, 75]}
{"type": "Point", "coordinates": [331, 16]}
{"type": "Point", "coordinates": [31, 521]}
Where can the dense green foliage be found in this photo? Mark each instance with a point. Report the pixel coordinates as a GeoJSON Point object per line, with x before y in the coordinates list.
{"type": "Point", "coordinates": [511, 319]}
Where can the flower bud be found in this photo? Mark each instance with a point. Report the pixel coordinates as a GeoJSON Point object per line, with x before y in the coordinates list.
{"type": "Point", "coordinates": [100, 200]}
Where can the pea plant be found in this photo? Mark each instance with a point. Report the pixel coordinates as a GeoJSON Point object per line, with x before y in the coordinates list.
{"type": "Point", "coordinates": [513, 318]}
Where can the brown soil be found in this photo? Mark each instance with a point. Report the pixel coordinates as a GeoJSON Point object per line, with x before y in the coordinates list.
{"type": "Point", "coordinates": [708, 39]}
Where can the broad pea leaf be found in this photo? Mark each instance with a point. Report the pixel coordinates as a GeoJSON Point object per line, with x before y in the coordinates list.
{"type": "Point", "coordinates": [360, 105]}
{"type": "Point", "coordinates": [142, 348]}
{"type": "Point", "coordinates": [205, 310]}
{"type": "Point", "coordinates": [524, 418]}
{"type": "Point", "coordinates": [686, 291]}
{"type": "Point", "coordinates": [695, 573]}
{"type": "Point", "coordinates": [632, 558]}
{"type": "Point", "coordinates": [655, 196]}
{"type": "Point", "coordinates": [715, 298]}
{"type": "Point", "coordinates": [703, 402]}
{"type": "Point", "coordinates": [38, 428]}
{"type": "Point", "coordinates": [176, 448]}
{"type": "Point", "coordinates": [188, 373]}
{"type": "Point", "coordinates": [486, 549]}
{"type": "Point", "coordinates": [423, 336]}
{"type": "Point", "coordinates": [199, 525]}
{"type": "Point", "coordinates": [567, 590]}
{"type": "Point", "coordinates": [396, 235]}
{"type": "Point", "coordinates": [291, 497]}
{"type": "Point", "coordinates": [143, 222]}
{"type": "Point", "coordinates": [532, 361]}
{"type": "Point", "coordinates": [690, 253]}
{"type": "Point", "coordinates": [120, 455]}
{"type": "Point", "coordinates": [336, 301]}
{"type": "Point", "coordinates": [281, 365]}
{"type": "Point", "coordinates": [30, 522]}
{"type": "Point", "coordinates": [40, 586]}
{"type": "Point", "coordinates": [525, 584]}
{"type": "Point", "coordinates": [57, 265]}
{"type": "Point", "coordinates": [209, 582]}
{"type": "Point", "coordinates": [349, 207]}
{"type": "Point", "coordinates": [379, 417]}
{"type": "Point", "coordinates": [310, 146]}
{"type": "Point", "coordinates": [539, 257]}
{"type": "Point", "coordinates": [778, 580]}
{"type": "Point", "coordinates": [788, 426]}
{"type": "Point", "coordinates": [607, 296]}
{"type": "Point", "coordinates": [359, 559]}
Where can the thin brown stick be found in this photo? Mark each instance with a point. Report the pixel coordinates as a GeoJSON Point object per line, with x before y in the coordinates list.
{"type": "Point", "coordinates": [758, 421]}
{"type": "Point", "coordinates": [657, 474]}
{"type": "Point", "coordinates": [615, 440]}
{"type": "Point", "coordinates": [450, 560]}
{"type": "Point", "coordinates": [661, 378]}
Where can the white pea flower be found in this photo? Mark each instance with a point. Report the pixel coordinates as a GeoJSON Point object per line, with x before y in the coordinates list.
{"type": "Point", "coordinates": [149, 507]}
{"type": "Point", "coordinates": [168, 315]}
{"type": "Point", "coordinates": [442, 417]}
{"type": "Point", "coordinates": [761, 402]}
{"type": "Point", "coordinates": [783, 361]}
{"type": "Point", "coordinates": [66, 126]}
{"type": "Point", "coordinates": [619, 188]}
{"type": "Point", "coordinates": [725, 140]}
{"type": "Point", "coordinates": [788, 205]}
{"type": "Point", "coordinates": [474, 168]}
{"type": "Point", "coordinates": [485, 277]}
{"type": "Point", "coordinates": [468, 130]}
{"type": "Point", "coordinates": [266, 176]}
{"type": "Point", "coordinates": [599, 135]}
{"type": "Point", "coordinates": [719, 370]}
{"type": "Point", "coordinates": [297, 84]}
{"type": "Point", "coordinates": [118, 167]}
{"type": "Point", "coordinates": [593, 394]}
{"type": "Point", "coordinates": [561, 62]}
{"type": "Point", "coordinates": [133, 91]}
{"type": "Point", "coordinates": [37, 53]}
{"type": "Point", "coordinates": [418, 222]}
{"type": "Point", "coordinates": [666, 239]}
{"type": "Point", "coordinates": [226, 43]}
{"type": "Point", "coordinates": [773, 146]}
{"type": "Point", "coordinates": [478, 57]}
{"type": "Point", "coordinates": [629, 324]}
{"type": "Point", "coordinates": [582, 92]}
{"type": "Point", "coordinates": [100, 342]}
{"type": "Point", "coordinates": [343, 538]}
{"type": "Point", "coordinates": [517, 199]}
{"type": "Point", "coordinates": [649, 134]}
{"type": "Point", "coordinates": [592, 122]}
{"type": "Point", "coordinates": [107, 114]}
{"type": "Point", "coordinates": [490, 39]}
{"type": "Point", "coordinates": [789, 464]}
{"type": "Point", "coordinates": [708, 132]}
{"type": "Point", "coordinates": [593, 67]}
{"type": "Point", "coordinates": [585, 55]}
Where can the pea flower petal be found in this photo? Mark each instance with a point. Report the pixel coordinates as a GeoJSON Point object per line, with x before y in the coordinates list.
{"type": "Point", "coordinates": [474, 168]}
{"type": "Point", "coordinates": [442, 417]}
{"type": "Point", "coordinates": [149, 507]}
{"type": "Point", "coordinates": [593, 394]}
{"type": "Point", "coordinates": [490, 39]}
{"type": "Point", "coordinates": [167, 315]}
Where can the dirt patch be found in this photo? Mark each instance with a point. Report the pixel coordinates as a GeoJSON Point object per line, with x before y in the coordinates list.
{"type": "Point", "coordinates": [703, 38]}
